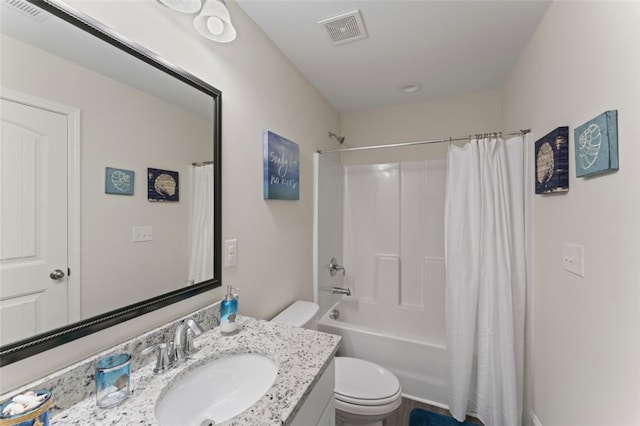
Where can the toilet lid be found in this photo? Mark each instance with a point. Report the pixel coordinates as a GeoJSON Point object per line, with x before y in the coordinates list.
{"type": "Point", "coordinates": [360, 380]}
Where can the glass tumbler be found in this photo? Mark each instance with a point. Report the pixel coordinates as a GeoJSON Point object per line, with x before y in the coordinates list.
{"type": "Point", "coordinates": [113, 380]}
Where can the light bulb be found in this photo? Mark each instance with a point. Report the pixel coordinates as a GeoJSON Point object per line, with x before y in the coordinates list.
{"type": "Point", "coordinates": [215, 25]}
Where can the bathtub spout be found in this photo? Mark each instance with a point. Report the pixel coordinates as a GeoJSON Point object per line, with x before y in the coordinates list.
{"type": "Point", "coordinates": [340, 290]}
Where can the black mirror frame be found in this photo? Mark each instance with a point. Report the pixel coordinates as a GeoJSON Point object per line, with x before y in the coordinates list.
{"type": "Point", "coordinates": [42, 342]}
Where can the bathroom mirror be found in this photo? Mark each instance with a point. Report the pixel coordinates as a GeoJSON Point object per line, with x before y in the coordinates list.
{"type": "Point", "coordinates": [125, 187]}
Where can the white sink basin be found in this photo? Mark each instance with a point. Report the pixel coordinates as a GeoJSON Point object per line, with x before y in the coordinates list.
{"type": "Point", "coordinates": [218, 390]}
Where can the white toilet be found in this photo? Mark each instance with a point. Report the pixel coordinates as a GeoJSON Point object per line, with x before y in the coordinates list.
{"type": "Point", "coordinates": [365, 393]}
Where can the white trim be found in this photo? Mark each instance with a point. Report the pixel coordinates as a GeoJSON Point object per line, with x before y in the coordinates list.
{"type": "Point", "coordinates": [316, 201]}
{"type": "Point", "coordinates": [73, 188]}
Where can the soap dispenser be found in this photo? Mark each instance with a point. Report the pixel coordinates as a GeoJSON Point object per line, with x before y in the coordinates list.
{"type": "Point", "coordinates": [229, 311]}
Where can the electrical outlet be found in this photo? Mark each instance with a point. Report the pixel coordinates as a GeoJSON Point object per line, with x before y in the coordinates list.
{"type": "Point", "coordinates": [142, 233]}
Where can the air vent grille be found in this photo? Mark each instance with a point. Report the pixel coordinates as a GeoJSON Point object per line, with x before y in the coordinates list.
{"type": "Point", "coordinates": [345, 27]}
{"type": "Point", "coordinates": [26, 9]}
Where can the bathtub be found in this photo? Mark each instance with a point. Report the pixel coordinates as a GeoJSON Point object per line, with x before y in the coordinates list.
{"type": "Point", "coordinates": [420, 366]}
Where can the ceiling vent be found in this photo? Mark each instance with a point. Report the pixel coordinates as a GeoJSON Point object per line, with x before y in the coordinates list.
{"type": "Point", "coordinates": [27, 9]}
{"type": "Point", "coordinates": [345, 27]}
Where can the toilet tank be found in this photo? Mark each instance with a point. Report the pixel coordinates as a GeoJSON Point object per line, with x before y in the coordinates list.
{"type": "Point", "coordinates": [299, 314]}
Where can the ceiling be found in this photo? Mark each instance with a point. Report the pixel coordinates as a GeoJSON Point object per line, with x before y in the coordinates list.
{"type": "Point", "coordinates": [450, 47]}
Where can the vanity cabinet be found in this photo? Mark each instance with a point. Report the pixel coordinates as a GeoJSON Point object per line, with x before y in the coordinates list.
{"type": "Point", "coordinates": [319, 407]}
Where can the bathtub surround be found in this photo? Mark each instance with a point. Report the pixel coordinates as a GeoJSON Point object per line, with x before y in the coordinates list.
{"type": "Point", "coordinates": [393, 244]}
{"type": "Point", "coordinates": [394, 248]}
{"type": "Point", "coordinates": [486, 277]}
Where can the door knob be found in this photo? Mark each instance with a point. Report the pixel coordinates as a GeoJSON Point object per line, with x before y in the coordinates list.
{"type": "Point", "coordinates": [56, 274]}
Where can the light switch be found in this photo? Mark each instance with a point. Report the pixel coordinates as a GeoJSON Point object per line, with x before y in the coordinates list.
{"type": "Point", "coordinates": [230, 252]}
{"type": "Point", "coordinates": [573, 258]}
{"type": "Point", "coordinates": [142, 233]}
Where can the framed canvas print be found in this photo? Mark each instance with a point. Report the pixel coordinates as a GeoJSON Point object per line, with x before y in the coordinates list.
{"type": "Point", "coordinates": [162, 185]}
{"type": "Point", "coordinates": [118, 181]}
{"type": "Point", "coordinates": [281, 178]}
{"type": "Point", "coordinates": [596, 145]}
{"type": "Point", "coordinates": [552, 162]}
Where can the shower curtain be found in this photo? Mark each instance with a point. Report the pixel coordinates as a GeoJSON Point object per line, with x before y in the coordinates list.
{"type": "Point", "coordinates": [201, 250]}
{"type": "Point", "coordinates": [486, 278]}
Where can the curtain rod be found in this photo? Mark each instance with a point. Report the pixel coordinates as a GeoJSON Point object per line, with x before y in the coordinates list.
{"type": "Point", "coordinates": [396, 145]}
{"type": "Point", "coordinates": [204, 163]}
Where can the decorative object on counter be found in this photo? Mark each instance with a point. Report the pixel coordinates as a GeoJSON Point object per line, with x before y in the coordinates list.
{"type": "Point", "coordinates": [552, 162]}
{"type": "Point", "coordinates": [162, 185]}
{"type": "Point", "coordinates": [118, 181]}
{"type": "Point", "coordinates": [596, 145]}
{"type": "Point", "coordinates": [28, 409]}
{"type": "Point", "coordinates": [113, 380]}
{"type": "Point", "coordinates": [281, 168]}
{"type": "Point", "coordinates": [229, 312]}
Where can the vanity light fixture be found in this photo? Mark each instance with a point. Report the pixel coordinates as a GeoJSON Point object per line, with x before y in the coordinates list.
{"type": "Point", "coordinates": [213, 21]}
{"type": "Point", "coordinates": [183, 6]}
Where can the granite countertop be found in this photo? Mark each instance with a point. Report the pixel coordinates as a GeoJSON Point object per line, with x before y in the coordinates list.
{"type": "Point", "coordinates": [302, 356]}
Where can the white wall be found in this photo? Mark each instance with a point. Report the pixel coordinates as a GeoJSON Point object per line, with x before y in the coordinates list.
{"type": "Point", "coordinates": [584, 350]}
{"type": "Point", "coordinates": [440, 118]}
{"type": "Point", "coordinates": [261, 90]}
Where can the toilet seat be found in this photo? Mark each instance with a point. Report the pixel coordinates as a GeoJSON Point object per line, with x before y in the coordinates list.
{"type": "Point", "coordinates": [364, 383]}
{"type": "Point", "coordinates": [368, 402]}
{"type": "Point", "coordinates": [367, 410]}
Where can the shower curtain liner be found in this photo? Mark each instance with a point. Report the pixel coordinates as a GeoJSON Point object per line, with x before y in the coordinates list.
{"type": "Point", "coordinates": [485, 253]}
{"type": "Point", "coordinates": [201, 250]}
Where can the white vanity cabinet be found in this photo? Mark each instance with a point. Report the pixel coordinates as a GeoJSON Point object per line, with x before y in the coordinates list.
{"type": "Point", "coordinates": [319, 407]}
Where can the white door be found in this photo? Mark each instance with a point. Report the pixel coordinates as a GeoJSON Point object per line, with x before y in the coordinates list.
{"type": "Point", "coordinates": [33, 221]}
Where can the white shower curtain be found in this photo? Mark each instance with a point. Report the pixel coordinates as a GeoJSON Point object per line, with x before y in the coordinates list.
{"type": "Point", "coordinates": [486, 278]}
{"type": "Point", "coordinates": [201, 251]}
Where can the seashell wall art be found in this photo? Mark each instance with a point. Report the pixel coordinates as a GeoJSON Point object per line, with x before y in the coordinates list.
{"type": "Point", "coordinates": [596, 145]}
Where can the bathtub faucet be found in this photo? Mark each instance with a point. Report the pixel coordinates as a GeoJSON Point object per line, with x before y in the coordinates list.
{"type": "Point", "coordinates": [340, 290]}
{"type": "Point", "coordinates": [334, 267]}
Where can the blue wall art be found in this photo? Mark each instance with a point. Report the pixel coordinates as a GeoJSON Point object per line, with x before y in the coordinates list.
{"type": "Point", "coordinates": [281, 168]}
{"type": "Point", "coordinates": [552, 162]}
{"type": "Point", "coordinates": [162, 185]}
{"type": "Point", "coordinates": [596, 145]}
{"type": "Point", "coordinates": [118, 181]}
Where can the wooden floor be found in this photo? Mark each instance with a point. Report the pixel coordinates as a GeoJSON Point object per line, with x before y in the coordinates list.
{"type": "Point", "coordinates": [401, 416]}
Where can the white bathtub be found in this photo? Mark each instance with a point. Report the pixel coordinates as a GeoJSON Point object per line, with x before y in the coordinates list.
{"type": "Point", "coordinates": [420, 366]}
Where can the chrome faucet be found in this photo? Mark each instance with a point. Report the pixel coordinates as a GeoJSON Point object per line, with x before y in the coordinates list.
{"type": "Point", "coordinates": [169, 354]}
{"type": "Point", "coordinates": [163, 362]}
{"type": "Point", "coordinates": [334, 267]}
{"type": "Point", "coordinates": [340, 290]}
{"type": "Point", "coordinates": [183, 345]}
